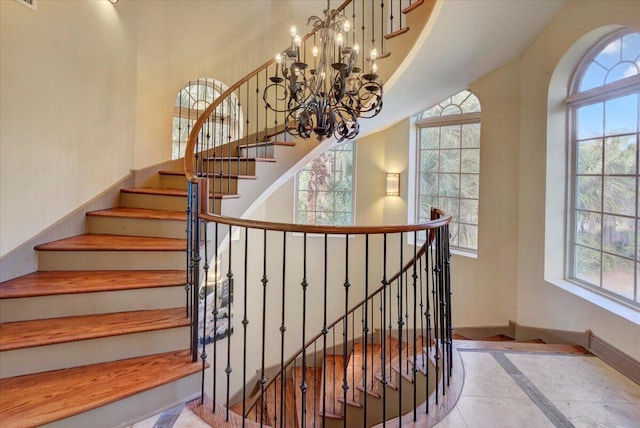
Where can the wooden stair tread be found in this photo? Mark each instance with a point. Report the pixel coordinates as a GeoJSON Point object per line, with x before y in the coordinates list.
{"type": "Point", "coordinates": [213, 175]}
{"type": "Point", "coordinates": [520, 347]}
{"type": "Point", "coordinates": [26, 334]}
{"type": "Point", "coordinates": [313, 399]}
{"type": "Point", "coordinates": [402, 361]}
{"type": "Point", "coordinates": [37, 399]}
{"type": "Point", "coordinates": [354, 377]}
{"type": "Point", "coordinates": [73, 282]}
{"type": "Point", "coordinates": [217, 418]}
{"type": "Point", "coordinates": [374, 365]}
{"type": "Point", "coordinates": [237, 159]}
{"type": "Point", "coordinates": [161, 191]}
{"type": "Point", "coordinates": [272, 403]}
{"type": "Point", "coordinates": [140, 213]}
{"type": "Point", "coordinates": [98, 242]}
{"type": "Point", "coordinates": [333, 368]}
{"type": "Point", "coordinates": [396, 33]}
{"type": "Point", "coordinates": [267, 143]}
{"type": "Point", "coordinates": [412, 6]}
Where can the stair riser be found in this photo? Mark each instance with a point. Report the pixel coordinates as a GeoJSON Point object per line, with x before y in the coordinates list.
{"type": "Point", "coordinates": [63, 355]}
{"type": "Point", "coordinates": [90, 303]}
{"type": "Point", "coordinates": [234, 166]}
{"type": "Point", "coordinates": [119, 260]}
{"type": "Point", "coordinates": [136, 227]}
{"type": "Point", "coordinates": [224, 185]}
{"type": "Point", "coordinates": [124, 412]}
{"type": "Point", "coordinates": [161, 202]}
{"type": "Point", "coordinates": [259, 152]}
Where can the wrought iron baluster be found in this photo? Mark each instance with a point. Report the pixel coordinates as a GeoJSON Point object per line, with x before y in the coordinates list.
{"type": "Point", "coordinates": [365, 326]}
{"type": "Point", "coordinates": [283, 326]}
{"type": "Point", "coordinates": [215, 317]}
{"type": "Point", "coordinates": [203, 355]}
{"type": "Point", "coordinates": [414, 275]}
{"type": "Point", "coordinates": [304, 284]}
{"type": "Point", "coordinates": [228, 370]}
{"type": "Point", "coordinates": [345, 383]}
{"type": "Point", "coordinates": [265, 281]}
{"type": "Point", "coordinates": [324, 328]}
{"type": "Point", "coordinates": [383, 320]}
{"type": "Point", "coordinates": [245, 322]}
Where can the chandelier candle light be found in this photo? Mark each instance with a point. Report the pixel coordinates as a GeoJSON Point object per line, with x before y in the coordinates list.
{"type": "Point", "coordinates": [330, 100]}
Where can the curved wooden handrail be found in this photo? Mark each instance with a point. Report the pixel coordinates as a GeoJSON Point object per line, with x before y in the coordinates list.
{"type": "Point", "coordinates": [325, 230]}
{"type": "Point", "coordinates": [440, 221]}
{"type": "Point", "coordinates": [189, 158]}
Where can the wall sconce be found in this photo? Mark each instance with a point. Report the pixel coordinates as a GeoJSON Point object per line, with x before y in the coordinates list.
{"type": "Point", "coordinates": [393, 184]}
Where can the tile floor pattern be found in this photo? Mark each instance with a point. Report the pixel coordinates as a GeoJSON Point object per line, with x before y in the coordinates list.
{"type": "Point", "coordinates": [508, 389]}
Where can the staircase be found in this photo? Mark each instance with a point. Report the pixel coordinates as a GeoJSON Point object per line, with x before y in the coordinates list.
{"type": "Point", "coordinates": [100, 334]}
{"type": "Point", "coordinates": [384, 395]}
{"type": "Point", "coordinates": [101, 331]}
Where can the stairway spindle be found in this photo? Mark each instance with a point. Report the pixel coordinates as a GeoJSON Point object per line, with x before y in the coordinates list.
{"type": "Point", "coordinates": [365, 326]}
{"type": "Point", "coordinates": [414, 275]}
{"type": "Point", "coordinates": [245, 323]}
{"type": "Point", "coordinates": [283, 326]}
{"type": "Point", "coordinates": [304, 284]}
{"type": "Point", "coordinates": [265, 281]}
{"type": "Point", "coordinates": [384, 336]}
{"type": "Point", "coordinates": [345, 332]}
{"type": "Point", "coordinates": [215, 317]}
{"type": "Point", "coordinates": [228, 370]}
{"type": "Point", "coordinates": [324, 325]}
{"type": "Point", "coordinates": [203, 355]}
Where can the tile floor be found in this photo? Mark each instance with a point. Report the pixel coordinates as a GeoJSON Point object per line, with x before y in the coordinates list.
{"type": "Point", "coordinates": [505, 389]}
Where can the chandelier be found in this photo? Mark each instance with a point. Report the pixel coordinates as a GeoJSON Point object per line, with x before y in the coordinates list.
{"type": "Point", "coordinates": [327, 97]}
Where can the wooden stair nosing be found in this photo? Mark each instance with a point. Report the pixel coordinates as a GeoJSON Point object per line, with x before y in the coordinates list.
{"type": "Point", "coordinates": [412, 6]}
{"type": "Point", "coordinates": [396, 33]}
{"type": "Point", "coordinates": [28, 334]}
{"type": "Point", "coordinates": [99, 242]}
{"type": "Point", "coordinates": [76, 282]}
{"type": "Point", "coordinates": [236, 158]}
{"type": "Point", "coordinates": [214, 175]}
{"type": "Point", "coordinates": [37, 399]}
{"type": "Point", "coordinates": [139, 213]}
{"type": "Point", "coordinates": [265, 144]}
{"type": "Point", "coordinates": [161, 191]}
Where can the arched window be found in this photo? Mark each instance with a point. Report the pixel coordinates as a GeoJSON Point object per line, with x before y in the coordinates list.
{"type": "Point", "coordinates": [604, 105]}
{"type": "Point", "coordinates": [225, 124]}
{"type": "Point", "coordinates": [448, 171]}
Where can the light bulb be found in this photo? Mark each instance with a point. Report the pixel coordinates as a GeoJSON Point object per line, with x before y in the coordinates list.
{"type": "Point", "coordinates": [347, 26]}
{"type": "Point", "coordinates": [315, 51]}
{"type": "Point", "coordinates": [374, 54]}
{"type": "Point", "coordinates": [293, 31]}
{"type": "Point", "coordinates": [278, 58]}
{"type": "Point", "coordinates": [374, 68]}
{"type": "Point", "coordinates": [339, 39]}
{"type": "Point", "coordinates": [356, 48]}
{"type": "Point", "coordinates": [297, 40]}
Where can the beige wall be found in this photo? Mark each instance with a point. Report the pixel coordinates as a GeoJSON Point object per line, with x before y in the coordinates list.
{"type": "Point", "coordinates": [540, 303]}
{"type": "Point", "coordinates": [507, 280]}
{"type": "Point", "coordinates": [88, 90]}
{"type": "Point", "coordinates": [67, 111]}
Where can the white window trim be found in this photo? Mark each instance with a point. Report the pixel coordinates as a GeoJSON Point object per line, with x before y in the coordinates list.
{"type": "Point", "coordinates": [353, 192]}
{"type": "Point", "coordinates": [607, 300]}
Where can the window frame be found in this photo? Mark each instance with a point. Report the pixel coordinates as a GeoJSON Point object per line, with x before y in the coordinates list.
{"type": "Point", "coordinates": [574, 102]}
{"type": "Point", "coordinates": [297, 189]}
{"type": "Point", "coordinates": [420, 123]}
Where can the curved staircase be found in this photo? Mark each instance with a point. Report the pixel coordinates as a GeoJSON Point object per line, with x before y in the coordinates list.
{"type": "Point", "coordinates": [99, 335]}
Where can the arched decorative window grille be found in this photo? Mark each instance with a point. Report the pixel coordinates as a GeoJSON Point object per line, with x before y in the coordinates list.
{"type": "Point", "coordinates": [225, 124]}
{"type": "Point", "coordinates": [448, 170]}
{"type": "Point", "coordinates": [604, 105]}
